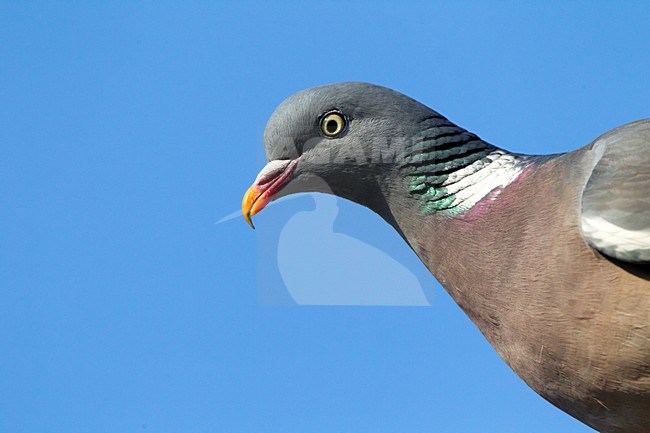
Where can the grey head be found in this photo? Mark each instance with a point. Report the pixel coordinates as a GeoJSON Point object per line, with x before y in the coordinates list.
{"type": "Point", "coordinates": [349, 138]}
{"type": "Point", "coordinates": [371, 111]}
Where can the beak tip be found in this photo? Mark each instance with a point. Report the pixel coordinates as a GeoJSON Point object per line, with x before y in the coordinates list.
{"type": "Point", "coordinates": [248, 219]}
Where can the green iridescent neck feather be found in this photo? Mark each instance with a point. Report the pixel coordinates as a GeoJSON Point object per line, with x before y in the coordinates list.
{"type": "Point", "coordinates": [443, 165]}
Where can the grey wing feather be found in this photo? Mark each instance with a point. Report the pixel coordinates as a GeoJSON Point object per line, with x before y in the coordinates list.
{"type": "Point", "coordinates": [616, 199]}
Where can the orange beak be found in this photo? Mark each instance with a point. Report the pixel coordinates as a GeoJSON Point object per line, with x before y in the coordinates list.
{"type": "Point", "coordinates": [271, 179]}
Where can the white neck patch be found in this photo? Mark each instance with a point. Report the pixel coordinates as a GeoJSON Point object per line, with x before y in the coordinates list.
{"type": "Point", "coordinates": [471, 184]}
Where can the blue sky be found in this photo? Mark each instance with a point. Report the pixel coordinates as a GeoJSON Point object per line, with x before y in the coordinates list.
{"type": "Point", "coordinates": [127, 130]}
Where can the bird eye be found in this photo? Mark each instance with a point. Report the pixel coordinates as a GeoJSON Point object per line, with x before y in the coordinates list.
{"type": "Point", "coordinates": [332, 124]}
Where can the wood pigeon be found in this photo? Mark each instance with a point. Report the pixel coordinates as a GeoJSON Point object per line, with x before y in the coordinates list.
{"type": "Point", "coordinates": [548, 255]}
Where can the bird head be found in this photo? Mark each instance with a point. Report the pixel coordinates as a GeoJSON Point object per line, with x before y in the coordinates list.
{"type": "Point", "coordinates": [345, 139]}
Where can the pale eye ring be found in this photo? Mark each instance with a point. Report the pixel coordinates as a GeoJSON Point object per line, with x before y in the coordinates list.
{"type": "Point", "coordinates": [332, 124]}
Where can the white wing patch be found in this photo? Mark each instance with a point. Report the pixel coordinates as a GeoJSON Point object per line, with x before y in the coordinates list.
{"type": "Point", "coordinates": [615, 241]}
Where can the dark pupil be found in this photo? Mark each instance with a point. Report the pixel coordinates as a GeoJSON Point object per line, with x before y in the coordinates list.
{"type": "Point", "coordinates": [331, 126]}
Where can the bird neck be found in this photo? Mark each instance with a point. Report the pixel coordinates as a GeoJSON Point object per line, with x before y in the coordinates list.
{"type": "Point", "coordinates": [442, 199]}
{"type": "Point", "coordinates": [449, 170]}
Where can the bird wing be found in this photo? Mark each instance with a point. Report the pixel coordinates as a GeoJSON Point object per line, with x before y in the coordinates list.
{"type": "Point", "coordinates": [616, 198]}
